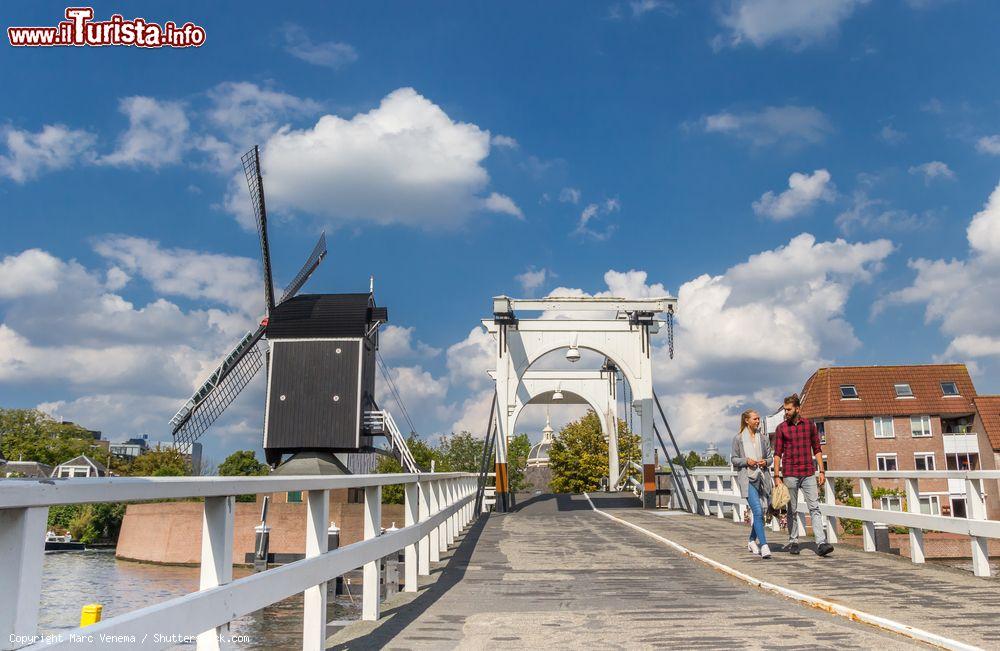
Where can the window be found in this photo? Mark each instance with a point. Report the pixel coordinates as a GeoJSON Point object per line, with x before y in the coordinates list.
{"type": "Point", "coordinates": [883, 427]}
{"type": "Point", "coordinates": [892, 503]}
{"type": "Point", "coordinates": [848, 392]}
{"type": "Point", "coordinates": [923, 460]}
{"type": "Point", "coordinates": [949, 388]}
{"type": "Point", "coordinates": [294, 497]}
{"type": "Point", "coordinates": [903, 391]}
{"type": "Point", "coordinates": [958, 507]}
{"type": "Point", "coordinates": [920, 426]}
{"type": "Point", "coordinates": [930, 505]}
{"type": "Point", "coordinates": [821, 428]}
{"type": "Point", "coordinates": [963, 461]}
{"type": "Point", "coordinates": [886, 462]}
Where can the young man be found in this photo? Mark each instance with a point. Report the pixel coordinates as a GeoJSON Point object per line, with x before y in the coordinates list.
{"type": "Point", "coordinates": [796, 445]}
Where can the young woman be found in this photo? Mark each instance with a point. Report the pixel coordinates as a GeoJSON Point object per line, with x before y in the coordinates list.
{"type": "Point", "coordinates": [752, 458]}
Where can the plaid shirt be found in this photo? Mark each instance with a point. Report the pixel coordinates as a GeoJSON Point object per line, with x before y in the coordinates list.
{"type": "Point", "coordinates": [797, 444]}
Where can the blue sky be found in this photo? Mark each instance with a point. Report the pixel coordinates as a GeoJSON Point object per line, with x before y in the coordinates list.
{"type": "Point", "coordinates": [812, 179]}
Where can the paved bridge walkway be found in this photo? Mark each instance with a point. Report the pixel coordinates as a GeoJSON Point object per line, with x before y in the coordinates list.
{"type": "Point", "coordinates": [558, 574]}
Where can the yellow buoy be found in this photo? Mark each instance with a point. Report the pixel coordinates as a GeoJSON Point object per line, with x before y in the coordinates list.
{"type": "Point", "coordinates": [90, 614]}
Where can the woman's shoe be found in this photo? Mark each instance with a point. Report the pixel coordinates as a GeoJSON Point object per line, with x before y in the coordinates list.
{"type": "Point", "coordinates": [752, 547]}
{"type": "Point", "coordinates": [765, 551]}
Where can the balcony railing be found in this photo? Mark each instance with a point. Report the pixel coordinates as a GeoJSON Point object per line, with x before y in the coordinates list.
{"type": "Point", "coordinates": [437, 507]}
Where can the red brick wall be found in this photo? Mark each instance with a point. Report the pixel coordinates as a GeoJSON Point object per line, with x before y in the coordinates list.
{"type": "Point", "coordinates": [170, 532]}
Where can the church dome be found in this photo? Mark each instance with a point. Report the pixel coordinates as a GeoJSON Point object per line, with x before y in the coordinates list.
{"type": "Point", "coordinates": [539, 453]}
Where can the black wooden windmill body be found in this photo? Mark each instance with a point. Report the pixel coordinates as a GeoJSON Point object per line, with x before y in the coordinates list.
{"type": "Point", "coordinates": [319, 352]}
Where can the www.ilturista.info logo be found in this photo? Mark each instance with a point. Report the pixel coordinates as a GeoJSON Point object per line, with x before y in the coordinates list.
{"type": "Point", "coordinates": [80, 29]}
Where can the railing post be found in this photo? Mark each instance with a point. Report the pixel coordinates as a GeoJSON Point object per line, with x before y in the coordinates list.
{"type": "Point", "coordinates": [867, 526]}
{"type": "Point", "coordinates": [314, 602]}
{"type": "Point", "coordinates": [916, 534]}
{"type": "Point", "coordinates": [830, 520]}
{"type": "Point", "coordinates": [734, 489]}
{"type": "Point", "coordinates": [442, 494]}
{"type": "Point", "coordinates": [719, 503]}
{"type": "Point", "coordinates": [435, 535]}
{"type": "Point", "coordinates": [424, 546]}
{"type": "Point", "coordinates": [373, 527]}
{"type": "Point", "coordinates": [453, 518]}
{"type": "Point", "coordinates": [216, 556]}
{"type": "Point", "coordinates": [411, 497]}
{"type": "Point", "coordinates": [976, 501]}
{"type": "Point", "coordinates": [22, 548]}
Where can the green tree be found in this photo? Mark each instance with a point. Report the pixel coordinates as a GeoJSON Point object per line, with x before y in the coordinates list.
{"type": "Point", "coordinates": [461, 452]}
{"type": "Point", "coordinates": [393, 493]}
{"type": "Point", "coordinates": [517, 462]}
{"type": "Point", "coordinates": [31, 435]}
{"type": "Point", "coordinates": [716, 460]}
{"type": "Point", "coordinates": [160, 462]}
{"type": "Point", "coordinates": [578, 457]}
{"type": "Point", "coordinates": [242, 463]}
{"type": "Point", "coordinates": [88, 523]}
{"type": "Point", "coordinates": [693, 459]}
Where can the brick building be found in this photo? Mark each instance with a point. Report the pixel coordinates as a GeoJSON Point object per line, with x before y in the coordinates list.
{"type": "Point", "coordinates": [920, 417]}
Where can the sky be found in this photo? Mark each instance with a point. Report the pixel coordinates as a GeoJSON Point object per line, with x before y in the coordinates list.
{"type": "Point", "coordinates": [815, 181]}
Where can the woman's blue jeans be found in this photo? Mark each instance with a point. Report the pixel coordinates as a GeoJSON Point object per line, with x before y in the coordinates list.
{"type": "Point", "coordinates": [756, 507]}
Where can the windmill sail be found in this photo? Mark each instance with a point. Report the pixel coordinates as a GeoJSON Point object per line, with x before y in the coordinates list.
{"type": "Point", "coordinates": [251, 167]}
{"type": "Point", "coordinates": [317, 255]}
{"type": "Point", "coordinates": [219, 390]}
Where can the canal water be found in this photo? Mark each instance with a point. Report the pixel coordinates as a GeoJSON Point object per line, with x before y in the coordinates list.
{"type": "Point", "coordinates": [72, 579]}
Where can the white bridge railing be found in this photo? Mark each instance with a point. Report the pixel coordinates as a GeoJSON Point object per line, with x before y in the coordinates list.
{"type": "Point", "coordinates": [437, 508]}
{"type": "Point", "coordinates": [975, 525]}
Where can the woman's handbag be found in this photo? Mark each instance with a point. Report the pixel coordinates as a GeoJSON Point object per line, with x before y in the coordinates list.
{"type": "Point", "coordinates": [779, 496]}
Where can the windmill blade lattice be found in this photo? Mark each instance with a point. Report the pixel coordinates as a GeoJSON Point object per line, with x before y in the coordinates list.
{"type": "Point", "coordinates": [251, 167]}
{"type": "Point", "coordinates": [317, 255]}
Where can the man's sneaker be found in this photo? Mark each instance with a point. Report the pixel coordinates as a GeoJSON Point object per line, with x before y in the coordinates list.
{"type": "Point", "coordinates": [824, 549]}
{"type": "Point", "coordinates": [793, 548]}
{"type": "Point", "coordinates": [752, 547]}
{"type": "Point", "coordinates": [765, 551]}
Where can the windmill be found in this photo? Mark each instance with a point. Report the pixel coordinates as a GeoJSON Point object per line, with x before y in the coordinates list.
{"type": "Point", "coordinates": [319, 354]}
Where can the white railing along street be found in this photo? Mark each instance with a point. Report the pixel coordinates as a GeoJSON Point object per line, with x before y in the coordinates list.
{"type": "Point", "coordinates": [975, 525]}
{"type": "Point", "coordinates": [437, 508]}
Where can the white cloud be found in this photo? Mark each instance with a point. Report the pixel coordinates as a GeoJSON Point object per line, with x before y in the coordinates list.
{"type": "Point", "coordinates": [569, 195]}
{"type": "Point", "coordinates": [878, 215]}
{"type": "Point", "coordinates": [803, 193]}
{"type": "Point", "coordinates": [53, 148]}
{"type": "Point", "coordinates": [30, 272]}
{"type": "Point", "coordinates": [469, 359]}
{"type": "Point", "coordinates": [396, 342]}
{"type": "Point", "coordinates": [246, 114]}
{"type": "Point", "coordinates": [403, 162]}
{"type": "Point", "coordinates": [640, 8]}
{"type": "Point", "coordinates": [932, 170]}
{"type": "Point", "coordinates": [504, 142]}
{"type": "Point", "coordinates": [790, 125]}
{"type": "Point", "coordinates": [531, 279]}
{"type": "Point", "coordinates": [890, 135]}
{"type": "Point", "coordinates": [963, 295]}
{"type": "Point", "coordinates": [593, 212]}
{"type": "Point", "coordinates": [329, 54]}
{"type": "Point", "coordinates": [795, 23]}
{"type": "Point", "coordinates": [989, 145]}
{"type": "Point", "coordinates": [228, 280]}
{"type": "Point", "coordinates": [157, 133]}
{"type": "Point", "coordinates": [503, 204]}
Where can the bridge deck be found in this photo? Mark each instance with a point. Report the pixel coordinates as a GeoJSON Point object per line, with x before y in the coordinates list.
{"type": "Point", "coordinates": [557, 574]}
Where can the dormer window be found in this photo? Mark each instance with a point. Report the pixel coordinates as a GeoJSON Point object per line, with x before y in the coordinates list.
{"type": "Point", "coordinates": [949, 388]}
{"type": "Point", "coordinates": [848, 392]}
{"type": "Point", "coordinates": [903, 391]}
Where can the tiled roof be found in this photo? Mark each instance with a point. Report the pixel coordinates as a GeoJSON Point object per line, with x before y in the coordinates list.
{"type": "Point", "coordinates": [877, 394]}
{"type": "Point", "coordinates": [989, 411]}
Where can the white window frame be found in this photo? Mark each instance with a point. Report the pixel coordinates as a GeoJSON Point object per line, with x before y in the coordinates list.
{"type": "Point", "coordinates": [888, 500]}
{"type": "Point", "coordinates": [905, 396]}
{"type": "Point", "coordinates": [925, 456]}
{"type": "Point", "coordinates": [933, 504]}
{"type": "Point", "coordinates": [878, 425]}
{"type": "Point", "coordinates": [821, 428]}
{"type": "Point", "coordinates": [957, 393]}
{"type": "Point", "coordinates": [922, 435]}
{"type": "Point", "coordinates": [882, 457]}
{"type": "Point", "coordinates": [854, 387]}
